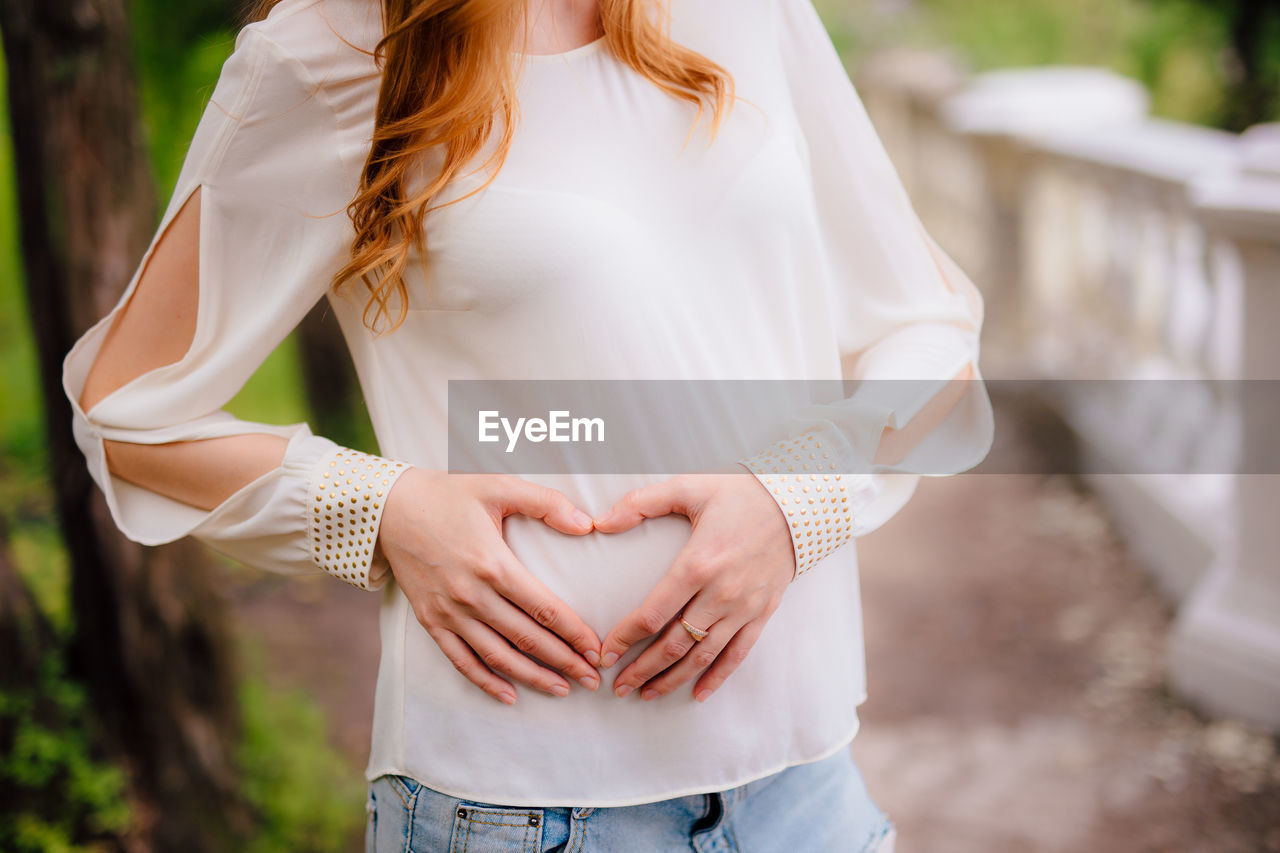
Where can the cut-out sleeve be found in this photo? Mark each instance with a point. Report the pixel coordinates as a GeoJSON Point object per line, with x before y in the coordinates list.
{"type": "Point", "coordinates": [273, 230]}
{"type": "Point", "coordinates": [906, 316]}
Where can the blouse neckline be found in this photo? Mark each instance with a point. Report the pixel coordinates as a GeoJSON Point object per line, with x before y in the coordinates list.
{"type": "Point", "coordinates": [573, 53]}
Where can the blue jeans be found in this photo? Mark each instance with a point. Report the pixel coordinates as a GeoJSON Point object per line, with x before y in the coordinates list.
{"type": "Point", "coordinates": [822, 806]}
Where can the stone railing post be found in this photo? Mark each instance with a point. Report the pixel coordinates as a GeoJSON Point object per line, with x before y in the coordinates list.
{"type": "Point", "coordinates": [1224, 652]}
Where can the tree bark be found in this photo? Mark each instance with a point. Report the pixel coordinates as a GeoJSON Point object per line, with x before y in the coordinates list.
{"type": "Point", "coordinates": [329, 377]}
{"type": "Point", "coordinates": [1252, 95]}
{"type": "Point", "coordinates": [25, 634]}
{"type": "Point", "coordinates": [150, 629]}
{"type": "Point", "coordinates": [25, 638]}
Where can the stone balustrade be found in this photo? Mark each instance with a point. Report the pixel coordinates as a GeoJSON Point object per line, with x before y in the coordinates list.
{"type": "Point", "coordinates": [1111, 244]}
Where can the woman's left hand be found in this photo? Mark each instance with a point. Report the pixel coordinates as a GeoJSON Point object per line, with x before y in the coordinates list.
{"type": "Point", "coordinates": [728, 580]}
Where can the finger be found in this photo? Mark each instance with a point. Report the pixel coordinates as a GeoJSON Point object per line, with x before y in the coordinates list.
{"type": "Point", "coordinates": [664, 601]}
{"type": "Point", "coordinates": [521, 631]}
{"type": "Point", "coordinates": [659, 499]}
{"type": "Point", "coordinates": [521, 588]}
{"type": "Point", "coordinates": [668, 648]}
{"type": "Point", "coordinates": [730, 659]}
{"type": "Point", "coordinates": [464, 660]}
{"type": "Point", "coordinates": [498, 655]}
{"type": "Point", "coordinates": [700, 656]}
{"type": "Point", "coordinates": [543, 503]}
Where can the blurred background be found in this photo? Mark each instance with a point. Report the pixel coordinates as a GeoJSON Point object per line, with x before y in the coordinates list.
{"type": "Point", "coordinates": [1063, 661]}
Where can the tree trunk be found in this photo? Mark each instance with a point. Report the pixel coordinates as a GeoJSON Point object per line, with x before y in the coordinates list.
{"type": "Point", "coordinates": [329, 377]}
{"type": "Point", "coordinates": [150, 640]}
{"type": "Point", "coordinates": [1252, 94]}
{"type": "Point", "coordinates": [25, 635]}
{"type": "Point", "coordinates": [25, 638]}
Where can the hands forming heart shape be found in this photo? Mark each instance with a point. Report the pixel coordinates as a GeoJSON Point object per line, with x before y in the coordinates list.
{"type": "Point", "coordinates": [442, 535]}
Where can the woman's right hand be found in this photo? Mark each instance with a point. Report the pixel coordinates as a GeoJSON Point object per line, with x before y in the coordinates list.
{"type": "Point", "coordinates": [442, 534]}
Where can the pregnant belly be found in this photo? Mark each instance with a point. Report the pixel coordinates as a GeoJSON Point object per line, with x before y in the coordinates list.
{"type": "Point", "coordinates": [602, 576]}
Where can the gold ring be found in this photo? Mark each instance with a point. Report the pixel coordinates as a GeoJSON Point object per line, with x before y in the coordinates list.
{"type": "Point", "coordinates": [697, 633]}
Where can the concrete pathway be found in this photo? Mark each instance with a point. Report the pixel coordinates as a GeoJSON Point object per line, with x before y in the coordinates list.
{"type": "Point", "coordinates": [1017, 700]}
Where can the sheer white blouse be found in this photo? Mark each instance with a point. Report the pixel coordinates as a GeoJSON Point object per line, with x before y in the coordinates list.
{"type": "Point", "coordinates": [605, 249]}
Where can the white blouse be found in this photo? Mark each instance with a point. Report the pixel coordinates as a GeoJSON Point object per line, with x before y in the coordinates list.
{"type": "Point", "coordinates": [605, 249]}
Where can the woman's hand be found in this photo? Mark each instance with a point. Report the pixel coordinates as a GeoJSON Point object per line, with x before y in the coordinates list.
{"type": "Point", "coordinates": [442, 534]}
{"type": "Point", "coordinates": [728, 580]}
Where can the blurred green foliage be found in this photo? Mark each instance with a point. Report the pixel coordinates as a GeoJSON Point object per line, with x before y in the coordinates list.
{"type": "Point", "coordinates": [59, 795]}
{"type": "Point", "coordinates": [1172, 47]}
{"type": "Point", "coordinates": [22, 445]}
{"type": "Point", "coordinates": [178, 51]}
{"type": "Point", "coordinates": [1179, 49]}
{"type": "Point", "coordinates": [306, 795]}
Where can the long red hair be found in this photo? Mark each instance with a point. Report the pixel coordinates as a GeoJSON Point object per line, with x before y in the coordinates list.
{"type": "Point", "coordinates": [447, 76]}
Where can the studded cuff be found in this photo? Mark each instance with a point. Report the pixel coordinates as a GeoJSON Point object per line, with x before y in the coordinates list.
{"type": "Point", "coordinates": [346, 495]}
{"type": "Point", "coordinates": [801, 477]}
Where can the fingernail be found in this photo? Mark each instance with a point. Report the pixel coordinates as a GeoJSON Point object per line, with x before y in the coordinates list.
{"type": "Point", "coordinates": [601, 519]}
{"type": "Point", "coordinates": [589, 682]}
{"type": "Point", "coordinates": [581, 518]}
{"type": "Point", "coordinates": [609, 660]}
{"type": "Point", "coordinates": [702, 695]}
{"type": "Point", "coordinates": [560, 689]}
{"type": "Point", "coordinates": [649, 694]}
{"type": "Point", "coordinates": [592, 658]}
{"type": "Point", "coordinates": [623, 690]}
{"type": "Point", "coordinates": [509, 698]}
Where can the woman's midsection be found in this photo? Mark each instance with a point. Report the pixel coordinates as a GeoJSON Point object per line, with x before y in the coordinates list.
{"type": "Point", "coordinates": [601, 576]}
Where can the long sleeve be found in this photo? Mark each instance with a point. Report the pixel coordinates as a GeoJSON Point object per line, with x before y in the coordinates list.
{"type": "Point", "coordinates": [906, 317]}
{"type": "Point", "coordinates": [274, 186]}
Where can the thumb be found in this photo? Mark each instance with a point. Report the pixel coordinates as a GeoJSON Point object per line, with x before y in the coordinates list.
{"type": "Point", "coordinates": [549, 505]}
{"type": "Point", "coordinates": [646, 502]}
